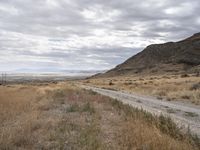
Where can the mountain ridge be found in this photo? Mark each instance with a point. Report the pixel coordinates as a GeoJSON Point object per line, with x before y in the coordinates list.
{"type": "Point", "coordinates": [170, 57]}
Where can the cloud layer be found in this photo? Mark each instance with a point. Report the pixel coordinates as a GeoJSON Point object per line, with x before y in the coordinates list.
{"type": "Point", "coordinates": [53, 35]}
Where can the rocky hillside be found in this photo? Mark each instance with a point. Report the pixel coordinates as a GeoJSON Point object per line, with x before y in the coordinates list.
{"type": "Point", "coordinates": [171, 57]}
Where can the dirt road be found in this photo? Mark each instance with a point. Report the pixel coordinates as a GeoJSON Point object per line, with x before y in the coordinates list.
{"type": "Point", "coordinates": [185, 115]}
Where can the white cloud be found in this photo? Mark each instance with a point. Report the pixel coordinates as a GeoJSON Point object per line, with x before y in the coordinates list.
{"type": "Point", "coordinates": [182, 9]}
{"type": "Point", "coordinates": [99, 13]}
{"type": "Point", "coordinates": [85, 34]}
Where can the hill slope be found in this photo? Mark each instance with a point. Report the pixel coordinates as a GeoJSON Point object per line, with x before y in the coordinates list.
{"type": "Point", "coordinates": [171, 57]}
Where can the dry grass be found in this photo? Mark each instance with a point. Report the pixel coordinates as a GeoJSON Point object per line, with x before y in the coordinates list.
{"type": "Point", "coordinates": [171, 87]}
{"type": "Point", "coordinates": [61, 116]}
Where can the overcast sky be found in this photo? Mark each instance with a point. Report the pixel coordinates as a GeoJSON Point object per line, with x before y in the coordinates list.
{"type": "Point", "coordinates": [53, 35]}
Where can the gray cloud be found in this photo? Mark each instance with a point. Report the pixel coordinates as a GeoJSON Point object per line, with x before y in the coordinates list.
{"type": "Point", "coordinates": [85, 34]}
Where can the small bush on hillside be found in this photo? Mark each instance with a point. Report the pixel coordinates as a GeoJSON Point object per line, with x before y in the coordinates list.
{"type": "Point", "coordinates": [184, 75]}
{"type": "Point", "coordinates": [111, 83]}
{"type": "Point", "coordinates": [195, 86]}
{"type": "Point", "coordinates": [128, 83]}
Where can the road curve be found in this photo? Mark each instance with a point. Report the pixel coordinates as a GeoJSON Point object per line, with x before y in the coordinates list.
{"type": "Point", "coordinates": [185, 115]}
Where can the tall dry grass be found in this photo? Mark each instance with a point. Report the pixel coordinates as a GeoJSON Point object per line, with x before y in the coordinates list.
{"type": "Point", "coordinates": [62, 116]}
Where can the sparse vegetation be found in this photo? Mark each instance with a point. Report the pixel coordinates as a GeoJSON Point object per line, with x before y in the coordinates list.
{"type": "Point", "coordinates": [164, 124]}
{"type": "Point", "coordinates": [191, 114]}
{"type": "Point", "coordinates": [195, 86]}
{"type": "Point", "coordinates": [62, 116]}
{"type": "Point", "coordinates": [171, 110]}
{"type": "Point", "coordinates": [84, 108]}
{"type": "Point", "coordinates": [184, 75]}
{"type": "Point", "coordinates": [172, 87]}
{"type": "Point", "coordinates": [73, 108]}
{"type": "Point", "coordinates": [111, 82]}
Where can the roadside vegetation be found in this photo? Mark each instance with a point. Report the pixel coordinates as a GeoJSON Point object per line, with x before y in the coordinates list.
{"type": "Point", "coordinates": [63, 116]}
{"type": "Point", "coordinates": [184, 87]}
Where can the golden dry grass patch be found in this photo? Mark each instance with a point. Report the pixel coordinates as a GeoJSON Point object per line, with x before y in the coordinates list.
{"type": "Point", "coordinates": [171, 87]}
{"type": "Point", "coordinates": [63, 116]}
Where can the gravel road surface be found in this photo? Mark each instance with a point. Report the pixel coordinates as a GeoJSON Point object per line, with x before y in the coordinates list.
{"type": "Point", "coordinates": [185, 115]}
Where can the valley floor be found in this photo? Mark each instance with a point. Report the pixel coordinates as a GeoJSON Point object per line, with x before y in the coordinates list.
{"type": "Point", "coordinates": [64, 116]}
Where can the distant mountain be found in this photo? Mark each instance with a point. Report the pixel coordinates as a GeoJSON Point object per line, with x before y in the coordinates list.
{"type": "Point", "coordinates": [171, 57]}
